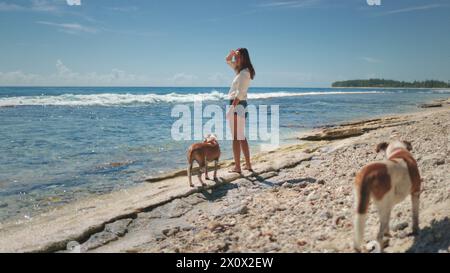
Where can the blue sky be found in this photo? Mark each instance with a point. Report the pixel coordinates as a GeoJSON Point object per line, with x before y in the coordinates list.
{"type": "Point", "coordinates": [297, 43]}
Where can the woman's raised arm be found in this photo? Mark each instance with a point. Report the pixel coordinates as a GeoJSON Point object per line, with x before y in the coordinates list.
{"type": "Point", "coordinates": [229, 59]}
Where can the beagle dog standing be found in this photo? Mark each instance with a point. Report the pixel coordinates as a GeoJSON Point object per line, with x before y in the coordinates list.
{"type": "Point", "coordinates": [203, 152]}
{"type": "Point", "coordinates": [387, 182]}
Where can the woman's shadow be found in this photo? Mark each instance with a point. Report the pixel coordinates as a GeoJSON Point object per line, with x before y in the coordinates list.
{"type": "Point", "coordinates": [432, 238]}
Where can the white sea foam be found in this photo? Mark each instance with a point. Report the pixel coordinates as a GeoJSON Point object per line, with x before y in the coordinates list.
{"type": "Point", "coordinates": [111, 99]}
{"type": "Point", "coordinates": [442, 91]}
{"type": "Point", "coordinates": [298, 94]}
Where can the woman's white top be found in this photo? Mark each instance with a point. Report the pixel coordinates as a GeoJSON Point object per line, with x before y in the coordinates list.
{"type": "Point", "coordinates": [240, 84]}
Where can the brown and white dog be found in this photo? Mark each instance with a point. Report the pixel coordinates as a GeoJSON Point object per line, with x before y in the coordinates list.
{"type": "Point", "coordinates": [203, 152]}
{"type": "Point", "coordinates": [387, 182]}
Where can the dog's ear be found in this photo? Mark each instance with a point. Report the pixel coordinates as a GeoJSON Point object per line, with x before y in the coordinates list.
{"type": "Point", "coordinates": [381, 147]}
{"type": "Point", "coordinates": [408, 145]}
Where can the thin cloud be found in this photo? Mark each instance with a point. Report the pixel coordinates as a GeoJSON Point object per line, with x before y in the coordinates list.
{"type": "Point", "coordinates": [132, 32]}
{"type": "Point", "coordinates": [411, 9]}
{"type": "Point", "coordinates": [40, 6]}
{"type": "Point", "coordinates": [44, 5]}
{"type": "Point", "coordinates": [70, 28]}
{"type": "Point", "coordinates": [233, 15]}
{"type": "Point", "coordinates": [9, 7]}
{"type": "Point", "coordinates": [371, 60]}
{"type": "Point", "coordinates": [218, 79]}
{"type": "Point", "coordinates": [263, 7]}
{"type": "Point", "coordinates": [66, 76]}
{"type": "Point", "coordinates": [182, 78]}
{"type": "Point", "coordinates": [76, 28]}
{"type": "Point", "coordinates": [288, 4]}
{"type": "Point", "coordinates": [124, 9]}
{"type": "Point", "coordinates": [276, 4]}
{"type": "Point", "coordinates": [34, 5]}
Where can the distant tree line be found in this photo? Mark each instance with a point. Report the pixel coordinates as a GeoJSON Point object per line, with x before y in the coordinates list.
{"type": "Point", "coordinates": [391, 83]}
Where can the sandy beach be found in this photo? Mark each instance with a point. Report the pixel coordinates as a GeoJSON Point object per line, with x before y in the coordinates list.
{"type": "Point", "coordinates": [299, 200]}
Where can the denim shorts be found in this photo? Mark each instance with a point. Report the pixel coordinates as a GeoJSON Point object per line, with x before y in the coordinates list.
{"type": "Point", "coordinates": [241, 111]}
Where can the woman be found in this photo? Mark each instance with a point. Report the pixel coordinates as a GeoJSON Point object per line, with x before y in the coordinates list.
{"type": "Point", "coordinates": [243, 68]}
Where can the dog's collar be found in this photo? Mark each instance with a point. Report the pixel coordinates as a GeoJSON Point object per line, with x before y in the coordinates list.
{"type": "Point", "coordinates": [396, 151]}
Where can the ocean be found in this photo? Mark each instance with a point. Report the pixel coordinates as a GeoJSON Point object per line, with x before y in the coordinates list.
{"type": "Point", "coordinates": [60, 144]}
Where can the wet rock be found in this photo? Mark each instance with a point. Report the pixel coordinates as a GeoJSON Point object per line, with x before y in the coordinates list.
{"type": "Point", "coordinates": [118, 228]}
{"type": "Point", "coordinates": [99, 239]}
{"type": "Point", "coordinates": [430, 105]}
{"type": "Point", "coordinates": [331, 134]}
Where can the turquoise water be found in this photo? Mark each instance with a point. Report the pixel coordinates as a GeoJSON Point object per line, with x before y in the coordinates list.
{"type": "Point", "coordinates": [61, 144]}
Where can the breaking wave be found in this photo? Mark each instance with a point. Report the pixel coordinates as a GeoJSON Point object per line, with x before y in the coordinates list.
{"type": "Point", "coordinates": [111, 99]}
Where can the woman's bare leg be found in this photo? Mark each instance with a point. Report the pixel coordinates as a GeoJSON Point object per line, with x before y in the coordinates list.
{"type": "Point", "coordinates": [236, 146]}
{"type": "Point", "coordinates": [243, 142]}
{"type": "Point", "coordinates": [246, 152]}
{"type": "Point", "coordinates": [237, 155]}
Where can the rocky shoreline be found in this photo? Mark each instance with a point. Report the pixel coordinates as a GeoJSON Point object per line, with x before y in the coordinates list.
{"type": "Point", "coordinates": [299, 200]}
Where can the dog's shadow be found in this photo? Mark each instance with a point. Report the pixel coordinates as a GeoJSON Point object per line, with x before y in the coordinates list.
{"type": "Point", "coordinates": [432, 238]}
{"type": "Point", "coordinates": [215, 193]}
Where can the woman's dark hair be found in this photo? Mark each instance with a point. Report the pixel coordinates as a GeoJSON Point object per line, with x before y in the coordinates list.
{"type": "Point", "coordinates": [245, 62]}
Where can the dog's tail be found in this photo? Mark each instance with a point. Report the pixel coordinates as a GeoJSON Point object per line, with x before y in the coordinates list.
{"type": "Point", "coordinates": [362, 198]}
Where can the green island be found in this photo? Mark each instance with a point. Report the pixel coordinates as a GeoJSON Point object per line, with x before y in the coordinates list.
{"type": "Point", "coordinates": [391, 83]}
